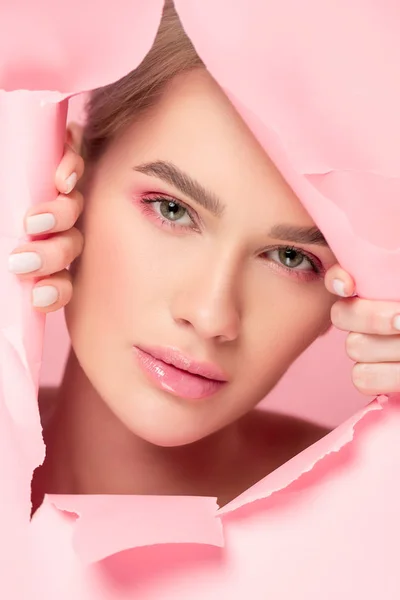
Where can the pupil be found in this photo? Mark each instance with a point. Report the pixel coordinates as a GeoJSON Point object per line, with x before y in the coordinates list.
{"type": "Point", "coordinates": [290, 257]}
{"type": "Point", "coordinates": [291, 254]}
{"type": "Point", "coordinates": [172, 210]}
{"type": "Point", "coordinates": [172, 207]}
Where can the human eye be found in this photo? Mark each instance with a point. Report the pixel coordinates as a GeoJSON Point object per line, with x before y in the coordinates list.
{"type": "Point", "coordinates": [295, 261]}
{"type": "Point", "coordinates": [169, 211]}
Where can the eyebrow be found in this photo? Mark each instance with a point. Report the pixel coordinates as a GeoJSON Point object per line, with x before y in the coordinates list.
{"type": "Point", "coordinates": [298, 235]}
{"type": "Point", "coordinates": [184, 183]}
{"type": "Point", "coordinates": [171, 175]}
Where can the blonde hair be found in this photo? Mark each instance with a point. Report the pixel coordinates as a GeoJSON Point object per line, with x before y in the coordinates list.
{"type": "Point", "coordinates": [112, 108]}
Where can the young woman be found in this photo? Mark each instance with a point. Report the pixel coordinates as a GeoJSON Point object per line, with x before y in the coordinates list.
{"type": "Point", "coordinates": [201, 281]}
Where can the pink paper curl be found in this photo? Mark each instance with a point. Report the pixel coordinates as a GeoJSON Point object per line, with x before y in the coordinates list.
{"type": "Point", "coordinates": [317, 82]}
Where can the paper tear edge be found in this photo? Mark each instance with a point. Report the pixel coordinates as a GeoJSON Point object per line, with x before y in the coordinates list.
{"type": "Point", "coordinates": [334, 170]}
{"type": "Point", "coordinates": [20, 353]}
{"type": "Point", "coordinates": [348, 437]}
{"type": "Point", "coordinates": [51, 500]}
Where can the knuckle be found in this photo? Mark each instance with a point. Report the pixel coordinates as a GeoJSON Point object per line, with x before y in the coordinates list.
{"type": "Point", "coordinates": [77, 241]}
{"type": "Point", "coordinates": [362, 376]}
{"type": "Point", "coordinates": [337, 314]}
{"type": "Point", "coordinates": [65, 249]}
{"type": "Point", "coordinates": [393, 376]}
{"type": "Point", "coordinates": [67, 244]}
{"type": "Point", "coordinates": [378, 320]}
{"type": "Point", "coordinates": [61, 168]}
{"type": "Point", "coordinates": [66, 289]}
{"type": "Point", "coordinates": [355, 346]}
{"type": "Point", "coordinates": [71, 210]}
{"type": "Point", "coordinates": [372, 379]}
{"type": "Point", "coordinates": [77, 205]}
{"type": "Point", "coordinates": [70, 245]}
{"type": "Point", "coordinates": [373, 321]}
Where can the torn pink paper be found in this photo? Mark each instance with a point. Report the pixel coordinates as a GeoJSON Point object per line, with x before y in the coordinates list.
{"type": "Point", "coordinates": [43, 46]}
{"type": "Point", "coordinates": [107, 525]}
{"type": "Point", "coordinates": [332, 528]}
{"type": "Point", "coordinates": [317, 83]}
{"type": "Point", "coordinates": [325, 524]}
{"type": "Point", "coordinates": [303, 463]}
{"type": "Point", "coordinates": [44, 58]}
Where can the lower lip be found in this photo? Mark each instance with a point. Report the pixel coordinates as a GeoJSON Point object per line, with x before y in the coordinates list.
{"type": "Point", "coordinates": [176, 381]}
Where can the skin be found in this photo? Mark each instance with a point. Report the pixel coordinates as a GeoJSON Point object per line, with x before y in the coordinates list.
{"type": "Point", "coordinates": [64, 241]}
{"type": "Point", "coordinates": [224, 297]}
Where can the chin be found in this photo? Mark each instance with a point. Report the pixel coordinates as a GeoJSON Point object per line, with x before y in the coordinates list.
{"type": "Point", "coordinates": [168, 436]}
{"type": "Point", "coordinates": [165, 440]}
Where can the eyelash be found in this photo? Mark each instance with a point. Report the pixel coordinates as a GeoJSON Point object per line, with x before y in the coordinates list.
{"type": "Point", "coordinates": [317, 268]}
{"type": "Point", "coordinates": [148, 202]}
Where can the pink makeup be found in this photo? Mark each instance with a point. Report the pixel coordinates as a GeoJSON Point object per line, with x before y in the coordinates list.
{"type": "Point", "coordinates": [149, 208]}
{"type": "Point", "coordinates": [315, 273]}
{"type": "Point", "coordinates": [178, 374]}
{"type": "Point", "coordinates": [187, 221]}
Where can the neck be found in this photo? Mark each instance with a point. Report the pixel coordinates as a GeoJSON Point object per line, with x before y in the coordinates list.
{"type": "Point", "coordinates": [89, 451]}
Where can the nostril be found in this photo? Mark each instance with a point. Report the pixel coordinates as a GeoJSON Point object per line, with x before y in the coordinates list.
{"type": "Point", "coordinates": [183, 322]}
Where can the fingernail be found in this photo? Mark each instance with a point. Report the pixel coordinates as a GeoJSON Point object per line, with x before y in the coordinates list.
{"type": "Point", "coordinates": [70, 183]}
{"type": "Point", "coordinates": [396, 322]}
{"type": "Point", "coordinates": [40, 223]}
{"type": "Point", "coordinates": [24, 262]}
{"type": "Point", "coordinates": [44, 295]}
{"type": "Point", "coordinates": [338, 287]}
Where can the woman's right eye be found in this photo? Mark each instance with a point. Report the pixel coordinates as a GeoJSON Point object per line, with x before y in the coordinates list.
{"type": "Point", "coordinates": [170, 212]}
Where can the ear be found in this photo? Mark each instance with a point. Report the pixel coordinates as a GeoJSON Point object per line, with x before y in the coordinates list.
{"type": "Point", "coordinates": [74, 136]}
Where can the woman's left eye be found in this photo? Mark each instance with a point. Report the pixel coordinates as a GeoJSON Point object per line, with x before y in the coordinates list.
{"type": "Point", "coordinates": [292, 259]}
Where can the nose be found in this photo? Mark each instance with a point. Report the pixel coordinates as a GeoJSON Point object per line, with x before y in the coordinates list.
{"type": "Point", "coordinates": [208, 300]}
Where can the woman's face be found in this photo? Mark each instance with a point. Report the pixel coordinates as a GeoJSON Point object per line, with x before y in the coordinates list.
{"type": "Point", "coordinates": [199, 254]}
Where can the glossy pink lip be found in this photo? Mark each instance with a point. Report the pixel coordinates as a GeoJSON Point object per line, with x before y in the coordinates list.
{"type": "Point", "coordinates": [178, 374]}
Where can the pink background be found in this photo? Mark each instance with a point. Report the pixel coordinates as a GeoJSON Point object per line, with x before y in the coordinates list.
{"type": "Point", "coordinates": [317, 387]}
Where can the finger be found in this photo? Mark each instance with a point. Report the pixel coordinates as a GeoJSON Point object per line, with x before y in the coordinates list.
{"type": "Point", "coordinates": [69, 171]}
{"type": "Point", "coordinates": [52, 293]}
{"type": "Point", "coordinates": [378, 378]}
{"type": "Point", "coordinates": [373, 348]}
{"type": "Point", "coordinates": [373, 317]}
{"type": "Point", "coordinates": [58, 215]}
{"type": "Point", "coordinates": [46, 257]}
{"type": "Point", "coordinates": [339, 282]}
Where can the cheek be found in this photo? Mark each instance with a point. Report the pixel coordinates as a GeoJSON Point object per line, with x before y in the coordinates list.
{"type": "Point", "coordinates": [289, 320]}
{"type": "Point", "coordinates": [309, 314]}
{"type": "Point", "coordinates": [123, 271]}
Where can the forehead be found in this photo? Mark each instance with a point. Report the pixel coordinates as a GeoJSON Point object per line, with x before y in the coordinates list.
{"type": "Point", "coordinates": [194, 126]}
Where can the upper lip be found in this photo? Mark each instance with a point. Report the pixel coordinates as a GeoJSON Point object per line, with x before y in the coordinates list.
{"type": "Point", "coordinates": [173, 356]}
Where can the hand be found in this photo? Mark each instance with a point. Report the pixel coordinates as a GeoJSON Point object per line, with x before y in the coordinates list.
{"type": "Point", "coordinates": [374, 338]}
{"type": "Point", "coordinates": [46, 260]}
